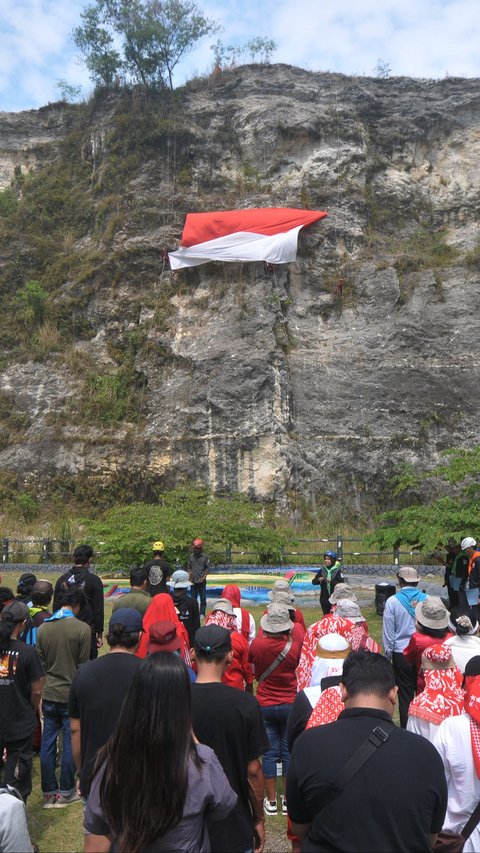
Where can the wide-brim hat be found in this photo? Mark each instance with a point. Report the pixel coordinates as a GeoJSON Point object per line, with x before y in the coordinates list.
{"type": "Point", "coordinates": [224, 605]}
{"type": "Point", "coordinates": [348, 609]}
{"type": "Point", "coordinates": [280, 597]}
{"type": "Point", "coordinates": [409, 574]}
{"type": "Point", "coordinates": [163, 637]}
{"type": "Point", "coordinates": [277, 619]}
{"type": "Point", "coordinates": [432, 613]}
{"type": "Point", "coordinates": [342, 590]}
{"type": "Point", "coordinates": [180, 580]}
{"type": "Point", "coordinates": [282, 585]}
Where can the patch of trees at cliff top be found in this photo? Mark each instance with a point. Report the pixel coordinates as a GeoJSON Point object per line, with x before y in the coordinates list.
{"type": "Point", "coordinates": [142, 41]}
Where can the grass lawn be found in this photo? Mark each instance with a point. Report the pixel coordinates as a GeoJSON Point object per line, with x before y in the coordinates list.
{"type": "Point", "coordinates": [61, 829]}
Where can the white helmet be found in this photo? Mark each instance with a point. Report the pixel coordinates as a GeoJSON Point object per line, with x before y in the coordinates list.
{"type": "Point", "coordinates": [468, 542]}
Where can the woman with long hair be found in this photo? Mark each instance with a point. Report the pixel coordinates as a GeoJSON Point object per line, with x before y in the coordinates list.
{"type": "Point", "coordinates": [162, 609]}
{"type": "Point", "coordinates": [154, 787]}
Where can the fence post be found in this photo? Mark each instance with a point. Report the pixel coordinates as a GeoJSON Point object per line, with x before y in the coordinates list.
{"type": "Point", "coordinates": [396, 556]}
{"type": "Point", "coordinates": [5, 549]}
{"type": "Point", "coordinates": [339, 546]}
{"type": "Point", "coordinates": [47, 550]}
{"type": "Point", "coordinates": [228, 555]}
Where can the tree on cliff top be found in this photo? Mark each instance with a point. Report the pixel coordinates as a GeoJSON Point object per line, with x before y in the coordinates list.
{"type": "Point", "coordinates": [139, 40]}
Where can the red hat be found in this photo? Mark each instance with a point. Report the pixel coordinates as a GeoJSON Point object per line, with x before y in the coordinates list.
{"type": "Point", "coordinates": [197, 543]}
{"type": "Point", "coordinates": [163, 637]}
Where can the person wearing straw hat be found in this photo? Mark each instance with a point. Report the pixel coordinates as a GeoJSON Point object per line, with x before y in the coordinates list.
{"type": "Point", "coordinates": [275, 657]}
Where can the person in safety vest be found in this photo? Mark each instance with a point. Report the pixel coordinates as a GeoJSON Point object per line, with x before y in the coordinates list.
{"type": "Point", "coordinates": [327, 577]}
{"type": "Point", "coordinates": [469, 545]}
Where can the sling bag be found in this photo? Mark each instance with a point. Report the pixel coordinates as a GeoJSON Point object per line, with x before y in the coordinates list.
{"type": "Point", "coordinates": [283, 654]}
{"type": "Point", "coordinates": [354, 763]}
{"type": "Point", "coordinates": [453, 842]}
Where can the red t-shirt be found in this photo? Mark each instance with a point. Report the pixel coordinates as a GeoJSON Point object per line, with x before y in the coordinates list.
{"type": "Point", "coordinates": [415, 649]}
{"type": "Point", "coordinates": [240, 671]}
{"type": "Point", "coordinates": [280, 687]}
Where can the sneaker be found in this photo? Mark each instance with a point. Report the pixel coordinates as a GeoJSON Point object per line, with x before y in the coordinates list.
{"type": "Point", "coordinates": [284, 805]}
{"type": "Point", "coordinates": [49, 801]}
{"type": "Point", "coordinates": [270, 806]}
{"type": "Point", "coordinates": [65, 801]}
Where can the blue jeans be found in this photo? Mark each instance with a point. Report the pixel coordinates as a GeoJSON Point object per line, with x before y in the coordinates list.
{"type": "Point", "coordinates": [56, 720]}
{"type": "Point", "coordinates": [275, 718]}
{"type": "Point", "coordinates": [200, 591]}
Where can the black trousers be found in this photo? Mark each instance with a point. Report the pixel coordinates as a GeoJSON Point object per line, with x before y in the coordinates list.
{"type": "Point", "coordinates": [406, 681]}
{"type": "Point", "coordinates": [18, 766]}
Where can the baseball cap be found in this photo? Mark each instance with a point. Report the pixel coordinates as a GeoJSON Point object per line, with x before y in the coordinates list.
{"type": "Point", "coordinates": [180, 579]}
{"type": "Point", "coordinates": [468, 542]}
{"type": "Point", "coordinates": [212, 638]}
{"type": "Point", "coordinates": [163, 637]}
{"type": "Point", "coordinates": [408, 574]}
{"type": "Point", "coordinates": [130, 618]}
{"type": "Point", "coordinates": [17, 610]}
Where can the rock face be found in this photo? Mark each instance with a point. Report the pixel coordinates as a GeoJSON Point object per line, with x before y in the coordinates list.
{"type": "Point", "coordinates": [307, 382]}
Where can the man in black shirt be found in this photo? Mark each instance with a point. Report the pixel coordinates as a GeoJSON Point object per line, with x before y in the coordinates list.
{"type": "Point", "coordinates": [395, 802]}
{"type": "Point", "coordinates": [185, 605]}
{"type": "Point", "coordinates": [230, 722]}
{"type": "Point", "coordinates": [158, 570]}
{"type": "Point", "coordinates": [80, 577]}
{"type": "Point", "coordinates": [98, 690]}
{"type": "Point", "coordinates": [22, 677]}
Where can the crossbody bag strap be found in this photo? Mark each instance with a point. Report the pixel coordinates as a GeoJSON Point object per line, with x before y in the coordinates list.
{"type": "Point", "coordinates": [358, 759]}
{"type": "Point", "coordinates": [471, 823]}
{"type": "Point", "coordinates": [283, 654]}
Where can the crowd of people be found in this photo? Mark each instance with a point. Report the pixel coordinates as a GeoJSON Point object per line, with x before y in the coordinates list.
{"type": "Point", "coordinates": [197, 727]}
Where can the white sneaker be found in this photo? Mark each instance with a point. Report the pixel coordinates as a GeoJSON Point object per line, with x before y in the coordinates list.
{"type": "Point", "coordinates": [270, 806]}
{"type": "Point", "coordinates": [284, 805]}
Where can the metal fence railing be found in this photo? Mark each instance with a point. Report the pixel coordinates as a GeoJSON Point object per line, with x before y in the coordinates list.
{"type": "Point", "coordinates": [305, 552]}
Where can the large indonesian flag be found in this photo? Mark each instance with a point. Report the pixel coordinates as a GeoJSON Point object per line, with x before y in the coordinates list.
{"type": "Point", "coordinates": [257, 234]}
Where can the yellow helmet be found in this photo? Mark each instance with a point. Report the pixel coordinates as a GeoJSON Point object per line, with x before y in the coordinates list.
{"type": "Point", "coordinates": [158, 546]}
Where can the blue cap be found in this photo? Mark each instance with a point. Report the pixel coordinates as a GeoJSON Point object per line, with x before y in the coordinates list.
{"type": "Point", "coordinates": [130, 618]}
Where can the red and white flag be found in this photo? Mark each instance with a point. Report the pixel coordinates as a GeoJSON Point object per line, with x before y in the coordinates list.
{"type": "Point", "coordinates": [256, 234]}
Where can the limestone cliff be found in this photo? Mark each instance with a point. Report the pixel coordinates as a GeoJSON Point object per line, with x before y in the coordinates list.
{"type": "Point", "coordinates": [313, 379]}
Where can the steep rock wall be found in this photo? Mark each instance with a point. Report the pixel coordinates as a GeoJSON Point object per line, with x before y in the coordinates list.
{"type": "Point", "coordinates": [311, 380]}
